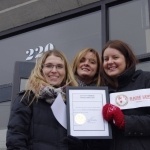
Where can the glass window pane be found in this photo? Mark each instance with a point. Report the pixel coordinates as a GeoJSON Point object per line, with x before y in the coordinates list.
{"type": "Point", "coordinates": [130, 22]}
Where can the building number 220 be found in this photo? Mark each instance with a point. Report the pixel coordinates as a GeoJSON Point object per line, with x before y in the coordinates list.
{"type": "Point", "coordinates": [37, 52]}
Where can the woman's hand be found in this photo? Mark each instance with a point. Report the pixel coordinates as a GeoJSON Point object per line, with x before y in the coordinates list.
{"type": "Point", "coordinates": [113, 113]}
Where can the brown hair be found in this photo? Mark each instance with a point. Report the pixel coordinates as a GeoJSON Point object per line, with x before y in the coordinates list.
{"type": "Point", "coordinates": [126, 51]}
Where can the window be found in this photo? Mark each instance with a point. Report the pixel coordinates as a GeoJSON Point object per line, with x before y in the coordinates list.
{"type": "Point", "coordinates": [130, 22]}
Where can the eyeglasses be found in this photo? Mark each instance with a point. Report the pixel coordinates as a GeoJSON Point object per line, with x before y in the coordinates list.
{"type": "Point", "coordinates": [51, 66]}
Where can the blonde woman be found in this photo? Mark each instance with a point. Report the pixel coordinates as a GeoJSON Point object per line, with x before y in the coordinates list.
{"type": "Point", "coordinates": [32, 125]}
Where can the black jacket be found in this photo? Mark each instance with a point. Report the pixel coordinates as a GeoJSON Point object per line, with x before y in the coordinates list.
{"type": "Point", "coordinates": [35, 128]}
{"type": "Point", "coordinates": [136, 135]}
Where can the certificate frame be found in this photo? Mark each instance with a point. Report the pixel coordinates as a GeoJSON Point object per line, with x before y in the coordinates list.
{"type": "Point", "coordinates": [84, 112]}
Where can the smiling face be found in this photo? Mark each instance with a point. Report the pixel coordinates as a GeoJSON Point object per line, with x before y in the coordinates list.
{"type": "Point", "coordinates": [114, 62]}
{"type": "Point", "coordinates": [87, 67]}
{"type": "Point", "coordinates": [54, 70]}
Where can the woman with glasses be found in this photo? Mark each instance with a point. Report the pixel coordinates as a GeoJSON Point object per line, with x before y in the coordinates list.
{"type": "Point", "coordinates": [32, 123]}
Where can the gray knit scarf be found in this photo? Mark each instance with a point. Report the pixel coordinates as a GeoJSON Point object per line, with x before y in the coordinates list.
{"type": "Point", "coordinates": [50, 93]}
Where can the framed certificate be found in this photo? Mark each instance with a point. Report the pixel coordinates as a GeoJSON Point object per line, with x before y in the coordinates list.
{"type": "Point", "coordinates": [84, 112]}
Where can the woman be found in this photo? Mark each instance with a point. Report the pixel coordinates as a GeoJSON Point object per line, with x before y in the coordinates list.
{"type": "Point", "coordinates": [86, 67]}
{"type": "Point", "coordinates": [32, 124]}
{"type": "Point", "coordinates": [130, 126]}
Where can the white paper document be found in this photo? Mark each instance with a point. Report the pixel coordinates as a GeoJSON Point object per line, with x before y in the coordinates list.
{"type": "Point", "coordinates": [85, 113]}
{"type": "Point", "coordinates": [59, 110]}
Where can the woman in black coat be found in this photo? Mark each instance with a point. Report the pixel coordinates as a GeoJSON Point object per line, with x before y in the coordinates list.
{"type": "Point", "coordinates": [131, 127]}
{"type": "Point", "coordinates": [32, 123]}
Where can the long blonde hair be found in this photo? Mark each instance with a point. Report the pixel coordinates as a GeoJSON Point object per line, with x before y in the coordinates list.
{"type": "Point", "coordinates": [36, 79]}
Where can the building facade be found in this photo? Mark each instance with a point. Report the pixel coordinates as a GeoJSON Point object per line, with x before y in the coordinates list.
{"type": "Point", "coordinates": [30, 27]}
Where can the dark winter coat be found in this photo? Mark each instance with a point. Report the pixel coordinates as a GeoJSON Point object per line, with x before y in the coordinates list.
{"type": "Point", "coordinates": [35, 128]}
{"type": "Point", "coordinates": [136, 135]}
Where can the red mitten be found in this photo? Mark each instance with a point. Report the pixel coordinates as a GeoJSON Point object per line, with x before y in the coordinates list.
{"type": "Point", "coordinates": [113, 113]}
